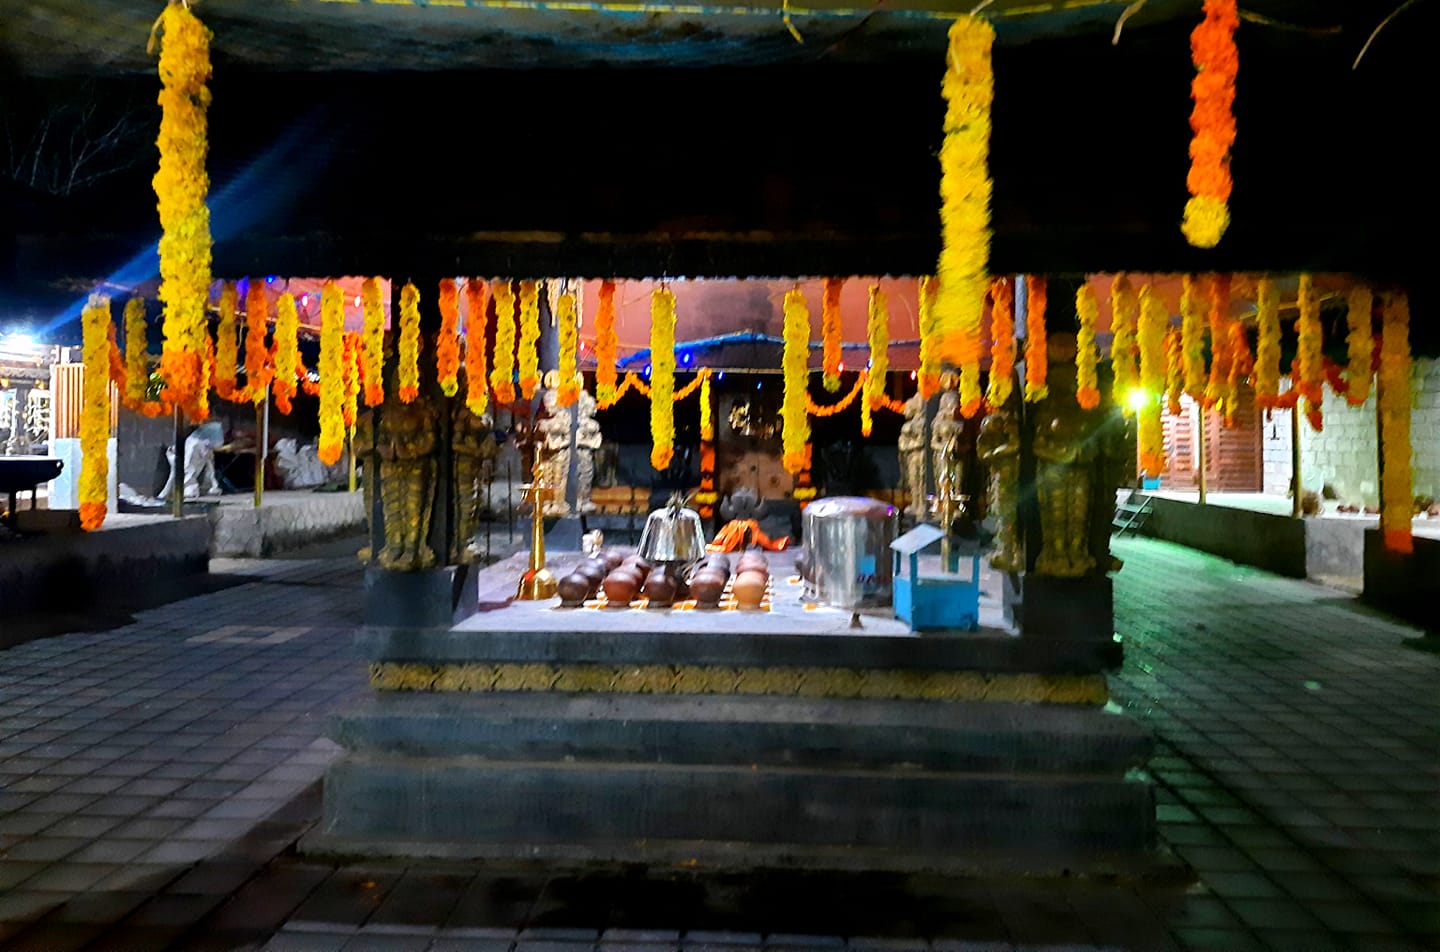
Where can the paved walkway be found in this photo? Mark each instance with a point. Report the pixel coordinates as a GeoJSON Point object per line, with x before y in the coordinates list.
{"type": "Point", "coordinates": [153, 780]}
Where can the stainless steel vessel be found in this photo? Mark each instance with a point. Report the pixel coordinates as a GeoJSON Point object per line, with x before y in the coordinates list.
{"type": "Point", "coordinates": [673, 534]}
{"type": "Point", "coordinates": [847, 550]}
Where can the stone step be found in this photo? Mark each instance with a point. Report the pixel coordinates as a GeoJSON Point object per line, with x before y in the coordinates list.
{"type": "Point", "coordinates": [979, 736]}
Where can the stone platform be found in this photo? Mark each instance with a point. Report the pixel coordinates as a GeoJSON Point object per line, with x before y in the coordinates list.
{"type": "Point", "coordinates": [734, 739]}
{"type": "Point", "coordinates": [286, 519]}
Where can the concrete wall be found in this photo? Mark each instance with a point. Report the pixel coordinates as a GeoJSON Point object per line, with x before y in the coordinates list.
{"type": "Point", "coordinates": [1403, 585]}
{"type": "Point", "coordinates": [1275, 452]}
{"type": "Point", "coordinates": [1274, 543]}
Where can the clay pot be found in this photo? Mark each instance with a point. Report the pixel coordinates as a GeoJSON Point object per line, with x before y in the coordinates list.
{"type": "Point", "coordinates": [659, 589]}
{"type": "Point", "coordinates": [682, 585]}
{"type": "Point", "coordinates": [641, 566]}
{"type": "Point", "coordinates": [621, 587]}
{"type": "Point", "coordinates": [574, 589]}
{"type": "Point", "coordinates": [613, 559]}
{"type": "Point", "coordinates": [706, 587]}
{"type": "Point", "coordinates": [749, 589]}
{"type": "Point", "coordinates": [751, 560]}
{"type": "Point", "coordinates": [592, 570]}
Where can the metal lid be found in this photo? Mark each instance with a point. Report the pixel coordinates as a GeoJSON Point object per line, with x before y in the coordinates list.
{"type": "Point", "coordinates": [862, 507]}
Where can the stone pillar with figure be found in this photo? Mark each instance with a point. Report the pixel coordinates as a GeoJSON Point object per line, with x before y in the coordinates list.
{"type": "Point", "coordinates": [587, 443]}
{"type": "Point", "coordinates": [911, 447]}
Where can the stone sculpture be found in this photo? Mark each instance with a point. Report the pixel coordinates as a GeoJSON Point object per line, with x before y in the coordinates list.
{"type": "Point", "coordinates": [945, 453]}
{"type": "Point", "coordinates": [554, 435]}
{"type": "Point", "coordinates": [998, 446]}
{"type": "Point", "coordinates": [1066, 452]}
{"type": "Point", "coordinates": [587, 444]}
{"type": "Point", "coordinates": [911, 444]}
{"type": "Point", "coordinates": [406, 449]}
{"type": "Point", "coordinates": [473, 448]}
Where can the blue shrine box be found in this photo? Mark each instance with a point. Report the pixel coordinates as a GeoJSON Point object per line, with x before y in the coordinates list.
{"type": "Point", "coordinates": [934, 602]}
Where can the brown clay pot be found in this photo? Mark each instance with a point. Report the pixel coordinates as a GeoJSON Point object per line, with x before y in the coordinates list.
{"type": "Point", "coordinates": [621, 587]}
{"type": "Point", "coordinates": [659, 589]}
{"type": "Point", "coordinates": [706, 587]}
{"type": "Point", "coordinates": [749, 589]}
{"type": "Point", "coordinates": [592, 570]}
{"type": "Point", "coordinates": [641, 566]}
{"type": "Point", "coordinates": [613, 559]}
{"type": "Point", "coordinates": [574, 589]}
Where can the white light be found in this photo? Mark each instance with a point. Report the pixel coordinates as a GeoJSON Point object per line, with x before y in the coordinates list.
{"type": "Point", "coordinates": [1137, 399]}
{"type": "Point", "coordinates": [357, 300]}
{"type": "Point", "coordinates": [20, 341]}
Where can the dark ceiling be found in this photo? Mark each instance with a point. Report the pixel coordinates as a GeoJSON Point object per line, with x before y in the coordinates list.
{"type": "Point", "coordinates": [414, 140]}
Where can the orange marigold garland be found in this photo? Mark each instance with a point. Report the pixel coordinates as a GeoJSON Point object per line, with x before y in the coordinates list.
{"type": "Point", "coordinates": [1397, 504]}
{"type": "Point", "coordinates": [1124, 315]}
{"type": "Point", "coordinates": [257, 354]}
{"type": "Point", "coordinates": [527, 355]}
{"type": "Point", "coordinates": [795, 364]}
{"type": "Point", "coordinates": [839, 406]}
{"type": "Point", "coordinates": [568, 385]}
{"type": "Point", "coordinates": [372, 352]}
{"type": "Point", "coordinates": [137, 357]}
{"type": "Point", "coordinates": [707, 414]}
{"type": "Point", "coordinates": [1219, 341]}
{"type": "Point", "coordinates": [502, 373]}
{"type": "Point", "coordinates": [95, 412]}
{"type": "Point", "coordinates": [1087, 309]}
{"type": "Point", "coordinates": [607, 346]}
{"type": "Point", "coordinates": [1360, 342]}
{"type": "Point", "coordinates": [116, 359]}
{"type": "Point", "coordinates": [350, 402]}
{"type": "Point", "coordinates": [1267, 345]}
{"type": "Point", "coordinates": [830, 334]}
{"type": "Point", "coordinates": [662, 377]}
{"type": "Point", "coordinates": [1240, 365]}
{"type": "Point", "coordinates": [1212, 45]}
{"type": "Point", "coordinates": [332, 373]}
{"type": "Point", "coordinates": [1002, 348]}
{"type": "Point", "coordinates": [477, 386]}
{"type": "Point", "coordinates": [1174, 372]}
{"type": "Point", "coordinates": [965, 186]}
{"type": "Point", "coordinates": [407, 370]}
{"type": "Point", "coordinates": [227, 344]}
{"type": "Point", "coordinates": [929, 350]}
{"type": "Point", "coordinates": [447, 342]}
{"type": "Point", "coordinates": [1037, 359]}
{"type": "Point", "coordinates": [1192, 337]}
{"type": "Point", "coordinates": [1307, 373]}
{"type": "Point", "coordinates": [1150, 334]}
{"type": "Point", "coordinates": [286, 347]}
{"type": "Point", "coordinates": [878, 332]}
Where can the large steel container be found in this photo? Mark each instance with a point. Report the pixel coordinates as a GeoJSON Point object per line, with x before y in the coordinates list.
{"type": "Point", "coordinates": [673, 535]}
{"type": "Point", "coordinates": [847, 550]}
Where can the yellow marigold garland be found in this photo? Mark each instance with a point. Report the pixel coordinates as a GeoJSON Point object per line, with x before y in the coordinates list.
{"type": "Point", "coordinates": [447, 342]}
{"type": "Point", "coordinates": [1192, 337]}
{"type": "Point", "coordinates": [1002, 348]}
{"type": "Point", "coordinates": [1397, 491]}
{"type": "Point", "coordinates": [662, 377]}
{"type": "Point", "coordinates": [477, 386]}
{"type": "Point", "coordinates": [1212, 45]}
{"type": "Point", "coordinates": [929, 374]}
{"type": "Point", "coordinates": [258, 368]}
{"type": "Point", "coordinates": [1267, 344]}
{"type": "Point", "coordinates": [350, 402]}
{"type": "Point", "coordinates": [1087, 308]}
{"type": "Point", "coordinates": [1360, 342]}
{"type": "Point", "coordinates": [607, 346]}
{"type": "Point", "coordinates": [568, 389]}
{"type": "Point", "coordinates": [137, 358]}
{"type": "Point", "coordinates": [1240, 366]}
{"type": "Point", "coordinates": [1307, 372]}
{"type": "Point", "coordinates": [332, 373]}
{"type": "Point", "coordinates": [1174, 372]}
{"type": "Point", "coordinates": [95, 412]}
{"type": "Point", "coordinates": [795, 423]}
{"type": "Point", "coordinates": [372, 352]}
{"type": "Point", "coordinates": [180, 187]}
{"type": "Point", "coordinates": [707, 413]}
{"type": "Point", "coordinates": [1124, 314]}
{"type": "Point", "coordinates": [969, 91]}
{"type": "Point", "coordinates": [527, 356]}
{"type": "Point", "coordinates": [830, 334]}
{"type": "Point", "coordinates": [839, 406]}
{"type": "Point", "coordinates": [1219, 320]}
{"type": "Point", "coordinates": [878, 333]}
{"type": "Point", "coordinates": [502, 374]}
{"type": "Point", "coordinates": [407, 370]}
{"type": "Point", "coordinates": [286, 347]}
{"type": "Point", "coordinates": [1037, 359]}
{"type": "Point", "coordinates": [227, 345]}
{"type": "Point", "coordinates": [1150, 334]}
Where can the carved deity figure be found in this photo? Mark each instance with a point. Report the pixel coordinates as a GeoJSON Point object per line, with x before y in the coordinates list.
{"type": "Point", "coordinates": [911, 445]}
{"type": "Point", "coordinates": [1066, 452]}
{"type": "Point", "coordinates": [363, 445]}
{"type": "Point", "coordinates": [406, 448]}
{"type": "Point", "coordinates": [554, 436]}
{"type": "Point", "coordinates": [587, 444]}
{"type": "Point", "coordinates": [945, 453]}
{"type": "Point", "coordinates": [472, 448]}
{"type": "Point", "coordinates": [998, 446]}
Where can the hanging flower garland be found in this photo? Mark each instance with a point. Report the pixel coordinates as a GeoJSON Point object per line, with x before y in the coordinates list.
{"type": "Point", "coordinates": [707, 414]}
{"type": "Point", "coordinates": [1002, 348]}
{"type": "Point", "coordinates": [407, 371]}
{"type": "Point", "coordinates": [878, 333]}
{"type": "Point", "coordinates": [447, 342]}
{"type": "Point", "coordinates": [1219, 319]}
{"type": "Point", "coordinates": [1087, 309]}
{"type": "Point", "coordinates": [527, 355]}
{"type": "Point", "coordinates": [1241, 364]}
{"type": "Point", "coordinates": [969, 91]}
{"type": "Point", "coordinates": [332, 373]}
{"type": "Point", "coordinates": [1212, 46]}
{"type": "Point", "coordinates": [116, 360]}
{"type": "Point", "coordinates": [1306, 373]}
{"type": "Point", "coordinates": [1267, 345]}
{"type": "Point", "coordinates": [795, 423]}
{"type": "Point", "coordinates": [477, 387]}
{"type": "Point", "coordinates": [1360, 342]}
{"type": "Point", "coordinates": [502, 375]}
{"type": "Point", "coordinates": [286, 347]}
{"type": "Point", "coordinates": [95, 412]}
{"type": "Point", "coordinates": [137, 359]}
{"type": "Point", "coordinates": [569, 334]}
{"type": "Point", "coordinates": [662, 377]}
{"type": "Point", "coordinates": [929, 350]}
{"type": "Point", "coordinates": [1174, 371]}
{"type": "Point", "coordinates": [372, 352]}
{"type": "Point", "coordinates": [227, 344]}
{"type": "Point", "coordinates": [1396, 489]}
{"type": "Point", "coordinates": [607, 346]}
{"type": "Point", "coordinates": [351, 371]}
{"type": "Point", "coordinates": [1150, 333]}
{"type": "Point", "coordinates": [1124, 315]}
{"type": "Point", "coordinates": [839, 406]}
{"type": "Point", "coordinates": [1036, 356]}
{"type": "Point", "coordinates": [258, 368]}
{"type": "Point", "coordinates": [830, 334]}
{"type": "Point", "coordinates": [1192, 337]}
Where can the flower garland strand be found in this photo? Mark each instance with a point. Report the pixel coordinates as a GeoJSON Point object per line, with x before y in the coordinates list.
{"type": "Point", "coordinates": [1267, 345]}
{"type": "Point", "coordinates": [1397, 491]}
{"type": "Point", "coordinates": [227, 344]}
{"type": "Point", "coordinates": [1036, 353]}
{"type": "Point", "coordinates": [372, 351]}
{"type": "Point", "coordinates": [662, 377]}
{"type": "Point", "coordinates": [1174, 371]}
{"type": "Point", "coordinates": [607, 346]}
{"type": "Point", "coordinates": [830, 334]}
{"type": "Point", "coordinates": [929, 346]}
{"type": "Point", "coordinates": [707, 413]}
{"type": "Point", "coordinates": [351, 371]}
{"type": "Point", "coordinates": [1212, 46]}
{"type": "Point", "coordinates": [95, 412]}
{"type": "Point", "coordinates": [1002, 348]}
{"type": "Point", "coordinates": [332, 374]}
{"type": "Point", "coordinates": [1087, 309]}
{"type": "Point", "coordinates": [839, 406]}
{"type": "Point", "coordinates": [137, 358]}
{"type": "Point", "coordinates": [477, 386]}
{"type": "Point", "coordinates": [1192, 337]}
{"type": "Point", "coordinates": [1241, 365]}
{"type": "Point", "coordinates": [965, 186]}
{"type": "Point", "coordinates": [1219, 320]}
{"type": "Point", "coordinates": [502, 373]}
{"type": "Point", "coordinates": [1307, 375]}
{"type": "Point", "coordinates": [878, 369]}
{"type": "Point", "coordinates": [286, 347]}
{"type": "Point", "coordinates": [258, 368]}
{"type": "Point", "coordinates": [1124, 315]}
{"type": "Point", "coordinates": [527, 356]}
{"type": "Point", "coordinates": [1150, 334]}
{"type": "Point", "coordinates": [180, 185]}
{"type": "Point", "coordinates": [568, 390]}
{"type": "Point", "coordinates": [407, 371]}
{"type": "Point", "coordinates": [447, 342]}
{"type": "Point", "coordinates": [794, 421]}
{"type": "Point", "coordinates": [1360, 342]}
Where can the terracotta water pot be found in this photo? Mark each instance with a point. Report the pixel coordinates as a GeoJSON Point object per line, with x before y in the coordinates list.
{"type": "Point", "coordinates": [706, 587]}
{"type": "Point", "coordinates": [659, 589]}
{"type": "Point", "coordinates": [574, 589]}
{"type": "Point", "coordinates": [621, 587]}
{"type": "Point", "coordinates": [749, 589]}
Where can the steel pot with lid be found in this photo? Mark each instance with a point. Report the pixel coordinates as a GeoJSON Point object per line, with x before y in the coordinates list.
{"type": "Point", "coordinates": [673, 534]}
{"type": "Point", "coordinates": [847, 550]}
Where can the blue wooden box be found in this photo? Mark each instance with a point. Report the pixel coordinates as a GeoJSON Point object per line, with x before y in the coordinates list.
{"type": "Point", "coordinates": [947, 601]}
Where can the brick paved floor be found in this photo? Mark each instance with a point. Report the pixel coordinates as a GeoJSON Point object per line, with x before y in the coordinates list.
{"type": "Point", "coordinates": [154, 777]}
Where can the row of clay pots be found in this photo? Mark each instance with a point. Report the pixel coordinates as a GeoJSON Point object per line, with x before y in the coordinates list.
{"type": "Point", "coordinates": [585, 580]}
{"type": "Point", "coordinates": [627, 577]}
